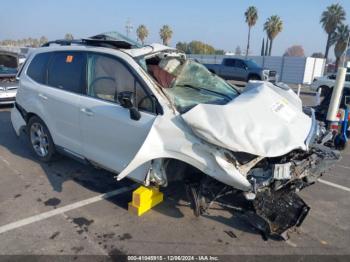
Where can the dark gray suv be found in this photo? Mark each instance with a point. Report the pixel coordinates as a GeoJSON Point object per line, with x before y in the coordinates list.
{"type": "Point", "coordinates": [241, 70]}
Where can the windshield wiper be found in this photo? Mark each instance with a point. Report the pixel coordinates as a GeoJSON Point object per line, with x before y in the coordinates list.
{"type": "Point", "coordinates": [204, 89]}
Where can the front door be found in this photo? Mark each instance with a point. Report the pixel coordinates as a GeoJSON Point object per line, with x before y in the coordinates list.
{"type": "Point", "coordinates": [110, 137]}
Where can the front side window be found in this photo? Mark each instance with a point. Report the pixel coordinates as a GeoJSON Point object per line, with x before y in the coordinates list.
{"type": "Point", "coordinates": [108, 77]}
{"type": "Point", "coordinates": [67, 71]}
{"type": "Point", "coordinates": [240, 64]}
{"type": "Point", "coordinates": [38, 67]}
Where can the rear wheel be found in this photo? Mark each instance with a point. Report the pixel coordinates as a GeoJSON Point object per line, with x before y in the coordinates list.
{"type": "Point", "coordinates": [40, 139]}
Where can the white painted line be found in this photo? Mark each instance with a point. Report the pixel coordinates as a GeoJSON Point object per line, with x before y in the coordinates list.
{"type": "Point", "coordinates": [292, 244]}
{"type": "Point", "coordinates": [334, 185]}
{"type": "Point", "coordinates": [342, 166]}
{"type": "Point", "coordinates": [64, 209]}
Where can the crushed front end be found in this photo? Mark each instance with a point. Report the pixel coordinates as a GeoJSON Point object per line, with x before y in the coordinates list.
{"type": "Point", "coordinates": [272, 206]}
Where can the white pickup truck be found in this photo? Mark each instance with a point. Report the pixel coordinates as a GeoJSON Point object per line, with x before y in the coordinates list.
{"type": "Point", "coordinates": [326, 83]}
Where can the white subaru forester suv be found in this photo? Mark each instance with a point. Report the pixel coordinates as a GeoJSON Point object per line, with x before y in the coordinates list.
{"type": "Point", "coordinates": [152, 115]}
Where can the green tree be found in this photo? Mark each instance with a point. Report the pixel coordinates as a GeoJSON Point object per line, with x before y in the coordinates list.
{"type": "Point", "coordinates": [68, 36]}
{"type": "Point", "coordinates": [166, 34]}
{"type": "Point", "coordinates": [295, 50]}
{"type": "Point", "coordinates": [340, 38]}
{"type": "Point", "coordinates": [182, 46]}
{"type": "Point", "coordinates": [251, 16]}
{"type": "Point", "coordinates": [273, 26]}
{"type": "Point", "coordinates": [198, 47]}
{"type": "Point", "coordinates": [142, 33]}
{"type": "Point", "coordinates": [330, 19]}
{"type": "Point", "coordinates": [43, 40]}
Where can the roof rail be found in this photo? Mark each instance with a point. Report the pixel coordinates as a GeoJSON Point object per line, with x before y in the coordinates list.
{"type": "Point", "coordinates": [102, 42]}
{"type": "Point", "coordinates": [63, 42]}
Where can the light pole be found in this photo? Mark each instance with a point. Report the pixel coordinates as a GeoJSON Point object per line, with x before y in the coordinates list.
{"type": "Point", "coordinates": [128, 27]}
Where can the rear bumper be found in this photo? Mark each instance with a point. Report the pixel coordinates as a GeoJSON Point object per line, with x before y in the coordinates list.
{"type": "Point", "coordinates": [17, 121]}
{"type": "Point", "coordinates": [7, 97]}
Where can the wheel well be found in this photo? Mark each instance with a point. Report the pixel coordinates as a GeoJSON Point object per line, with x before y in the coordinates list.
{"type": "Point", "coordinates": [256, 76]}
{"type": "Point", "coordinates": [29, 116]}
{"type": "Point", "coordinates": [179, 170]}
{"type": "Point", "coordinates": [323, 86]}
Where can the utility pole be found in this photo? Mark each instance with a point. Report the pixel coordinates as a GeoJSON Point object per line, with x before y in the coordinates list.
{"type": "Point", "coordinates": [337, 89]}
{"type": "Point", "coordinates": [128, 27]}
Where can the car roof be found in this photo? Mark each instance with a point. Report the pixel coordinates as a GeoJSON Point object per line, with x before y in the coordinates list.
{"type": "Point", "coordinates": [111, 41]}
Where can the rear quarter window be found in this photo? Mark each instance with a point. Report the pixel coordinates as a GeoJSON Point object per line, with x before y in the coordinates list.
{"type": "Point", "coordinates": [67, 71]}
{"type": "Point", "coordinates": [38, 67]}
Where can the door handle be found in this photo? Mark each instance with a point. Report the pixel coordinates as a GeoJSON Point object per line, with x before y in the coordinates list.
{"type": "Point", "coordinates": [42, 96]}
{"type": "Point", "coordinates": [87, 111]}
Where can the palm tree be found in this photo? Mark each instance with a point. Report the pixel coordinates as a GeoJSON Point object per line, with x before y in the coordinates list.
{"type": "Point", "coordinates": [330, 19]}
{"type": "Point", "coordinates": [251, 16]}
{"type": "Point", "coordinates": [273, 26]}
{"type": "Point", "coordinates": [43, 40]}
{"type": "Point", "coordinates": [165, 34]}
{"type": "Point", "coordinates": [68, 36]}
{"type": "Point", "coordinates": [340, 38]}
{"type": "Point", "coordinates": [142, 33]}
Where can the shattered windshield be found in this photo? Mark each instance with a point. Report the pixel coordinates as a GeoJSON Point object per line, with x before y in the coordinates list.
{"type": "Point", "coordinates": [194, 84]}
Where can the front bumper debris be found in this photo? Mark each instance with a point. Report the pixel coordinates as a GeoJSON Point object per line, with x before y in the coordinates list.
{"type": "Point", "coordinates": [273, 205]}
{"type": "Point", "coordinates": [274, 213]}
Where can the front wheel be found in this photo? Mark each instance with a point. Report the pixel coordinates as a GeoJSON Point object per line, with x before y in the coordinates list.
{"type": "Point", "coordinates": [40, 139]}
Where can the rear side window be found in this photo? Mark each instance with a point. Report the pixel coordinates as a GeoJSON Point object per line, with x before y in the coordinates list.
{"type": "Point", "coordinates": [38, 67]}
{"type": "Point", "coordinates": [230, 62]}
{"type": "Point", "coordinates": [67, 71]}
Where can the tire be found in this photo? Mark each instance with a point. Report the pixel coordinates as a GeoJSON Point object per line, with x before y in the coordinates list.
{"type": "Point", "coordinates": [40, 139]}
{"type": "Point", "coordinates": [324, 90]}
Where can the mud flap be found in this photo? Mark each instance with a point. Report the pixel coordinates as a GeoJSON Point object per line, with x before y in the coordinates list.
{"type": "Point", "coordinates": [274, 213]}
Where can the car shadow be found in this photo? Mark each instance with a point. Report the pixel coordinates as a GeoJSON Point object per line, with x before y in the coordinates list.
{"type": "Point", "coordinates": [64, 169]}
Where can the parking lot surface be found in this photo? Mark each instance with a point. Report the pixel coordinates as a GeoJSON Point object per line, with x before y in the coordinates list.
{"type": "Point", "coordinates": [58, 208]}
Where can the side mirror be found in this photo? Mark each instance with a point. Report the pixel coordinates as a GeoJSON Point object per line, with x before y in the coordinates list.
{"type": "Point", "coordinates": [126, 99]}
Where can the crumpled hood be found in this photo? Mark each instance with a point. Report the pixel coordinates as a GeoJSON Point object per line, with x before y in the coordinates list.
{"type": "Point", "coordinates": [264, 120]}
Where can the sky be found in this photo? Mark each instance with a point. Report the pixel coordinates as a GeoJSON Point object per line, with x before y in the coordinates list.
{"type": "Point", "coordinates": [220, 23]}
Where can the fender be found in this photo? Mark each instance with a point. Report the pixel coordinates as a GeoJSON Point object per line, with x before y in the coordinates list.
{"type": "Point", "coordinates": [170, 137]}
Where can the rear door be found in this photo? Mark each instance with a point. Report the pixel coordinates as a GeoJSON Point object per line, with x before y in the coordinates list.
{"type": "Point", "coordinates": [228, 69]}
{"type": "Point", "coordinates": [66, 80]}
{"type": "Point", "coordinates": [110, 137]}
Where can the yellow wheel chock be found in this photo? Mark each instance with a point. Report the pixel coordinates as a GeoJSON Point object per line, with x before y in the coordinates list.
{"type": "Point", "coordinates": [143, 199]}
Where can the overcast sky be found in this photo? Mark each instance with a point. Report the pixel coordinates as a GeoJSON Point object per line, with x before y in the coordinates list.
{"type": "Point", "coordinates": [220, 23]}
